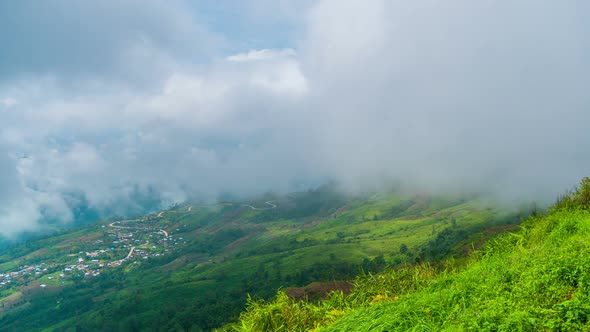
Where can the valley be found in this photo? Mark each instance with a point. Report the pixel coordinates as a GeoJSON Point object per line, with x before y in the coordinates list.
{"type": "Point", "coordinates": [193, 266]}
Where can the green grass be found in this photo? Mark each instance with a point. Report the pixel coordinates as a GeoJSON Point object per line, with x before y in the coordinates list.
{"type": "Point", "coordinates": [233, 251]}
{"type": "Point", "coordinates": [534, 279]}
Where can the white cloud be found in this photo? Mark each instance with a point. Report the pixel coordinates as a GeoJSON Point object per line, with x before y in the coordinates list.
{"type": "Point", "coordinates": [470, 95]}
{"type": "Point", "coordinates": [8, 102]}
{"type": "Point", "coordinates": [259, 55]}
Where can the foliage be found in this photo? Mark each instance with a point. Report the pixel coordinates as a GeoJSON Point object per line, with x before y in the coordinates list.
{"type": "Point", "coordinates": [233, 249]}
{"type": "Point", "coordinates": [536, 279]}
{"type": "Point", "coordinates": [579, 198]}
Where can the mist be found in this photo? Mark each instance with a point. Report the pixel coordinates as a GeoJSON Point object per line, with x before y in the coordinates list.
{"type": "Point", "coordinates": [488, 97]}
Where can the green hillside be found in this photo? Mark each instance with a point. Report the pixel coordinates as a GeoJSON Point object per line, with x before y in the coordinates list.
{"type": "Point", "coordinates": [533, 279]}
{"type": "Point", "coordinates": [193, 267]}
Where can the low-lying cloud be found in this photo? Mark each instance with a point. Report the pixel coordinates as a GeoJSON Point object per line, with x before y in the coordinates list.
{"type": "Point", "coordinates": [484, 96]}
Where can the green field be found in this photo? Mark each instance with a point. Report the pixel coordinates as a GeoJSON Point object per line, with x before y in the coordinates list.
{"type": "Point", "coordinates": [226, 251]}
{"type": "Point", "coordinates": [535, 278]}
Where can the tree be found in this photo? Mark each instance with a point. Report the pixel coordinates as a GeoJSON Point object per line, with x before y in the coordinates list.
{"type": "Point", "coordinates": [403, 248]}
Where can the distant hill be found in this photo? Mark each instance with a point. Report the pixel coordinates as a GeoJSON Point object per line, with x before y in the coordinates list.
{"type": "Point", "coordinates": [194, 266]}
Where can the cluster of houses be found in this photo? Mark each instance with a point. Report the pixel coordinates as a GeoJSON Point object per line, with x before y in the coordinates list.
{"type": "Point", "coordinates": [119, 245]}
{"type": "Point", "coordinates": [24, 272]}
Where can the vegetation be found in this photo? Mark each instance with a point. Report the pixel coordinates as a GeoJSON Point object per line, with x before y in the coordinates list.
{"type": "Point", "coordinates": [225, 251]}
{"type": "Point", "coordinates": [535, 279]}
{"type": "Point", "coordinates": [418, 263]}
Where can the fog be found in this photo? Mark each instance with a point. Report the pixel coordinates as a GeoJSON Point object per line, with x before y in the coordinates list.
{"type": "Point", "coordinates": [107, 102]}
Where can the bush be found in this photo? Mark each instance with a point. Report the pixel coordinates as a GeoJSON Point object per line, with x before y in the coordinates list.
{"type": "Point", "coordinates": [578, 199]}
{"type": "Point", "coordinates": [537, 279]}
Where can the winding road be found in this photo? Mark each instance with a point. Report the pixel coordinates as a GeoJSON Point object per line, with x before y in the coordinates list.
{"type": "Point", "coordinates": [190, 208]}
{"type": "Point", "coordinates": [130, 253]}
{"type": "Point", "coordinates": [115, 226]}
{"type": "Point", "coordinates": [270, 203]}
{"type": "Point", "coordinates": [160, 214]}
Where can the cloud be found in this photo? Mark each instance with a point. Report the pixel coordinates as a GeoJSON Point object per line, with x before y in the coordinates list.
{"type": "Point", "coordinates": [132, 111]}
{"type": "Point", "coordinates": [198, 134]}
{"type": "Point", "coordinates": [21, 207]}
{"type": "Point", "coordinates": [8, 102]}
{"type": "Point", "coordinates": [131, 41]}
{"type": "Point", "coordinates": [258, 55]}
{"type": "Point", "coordinates": [475, 95]}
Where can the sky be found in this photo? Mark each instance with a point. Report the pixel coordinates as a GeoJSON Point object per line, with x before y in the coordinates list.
{"type": "Point", "coordinates": [105, 102]}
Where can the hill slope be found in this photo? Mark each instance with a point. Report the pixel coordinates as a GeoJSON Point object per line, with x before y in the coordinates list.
{"type": "Point", "coordinates": [193, 266]}
{"type": "Point", "coordinates": [532, 280]}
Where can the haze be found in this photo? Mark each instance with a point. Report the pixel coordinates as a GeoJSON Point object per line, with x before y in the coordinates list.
{"type": "Point", "coordinates": [105, 101]}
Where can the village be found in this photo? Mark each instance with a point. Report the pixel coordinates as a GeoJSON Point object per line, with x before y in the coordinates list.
{"type": "Point", "coordinates": [120, 243]}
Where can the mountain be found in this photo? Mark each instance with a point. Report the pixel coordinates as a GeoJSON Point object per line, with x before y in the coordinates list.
{"type": "Point", "coordinates": [194, 266]}
{"type": "Point", "coordinates": [535, 278]}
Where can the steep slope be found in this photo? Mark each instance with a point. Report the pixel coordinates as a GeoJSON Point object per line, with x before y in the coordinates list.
{"type": "Point", "coordinates": [535, 279]}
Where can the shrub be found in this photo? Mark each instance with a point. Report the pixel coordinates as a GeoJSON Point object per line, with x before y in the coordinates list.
{"type": "Point", "coordinates": [578, 199]}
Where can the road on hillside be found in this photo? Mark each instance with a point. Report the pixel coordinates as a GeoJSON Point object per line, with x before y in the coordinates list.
{"type": "Point", "coordinates": [269, 203]}
{"type": "Point", "coordinates": [190, 208]}
{"type": "Point", "coordinates": [130, 253]}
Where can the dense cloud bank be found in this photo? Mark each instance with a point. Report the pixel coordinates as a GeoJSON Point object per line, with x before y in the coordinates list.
{"type": "Point", "coordinates": [105, 103]}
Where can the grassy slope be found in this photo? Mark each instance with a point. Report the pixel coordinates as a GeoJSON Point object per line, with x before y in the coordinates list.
{"type": "Point", "coordinates": [233, 251]}
{"type": "Point", "coordinates": [532, 280]}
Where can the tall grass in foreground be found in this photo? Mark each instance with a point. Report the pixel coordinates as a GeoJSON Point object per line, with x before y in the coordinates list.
{"type": "Point", "coordinates": [287, 314]}
{"type": "Point", "coordinates": [537, 279]}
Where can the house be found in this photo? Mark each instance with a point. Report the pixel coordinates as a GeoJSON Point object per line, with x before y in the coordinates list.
{"type": "Point", "coordinates": [92, 254]}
